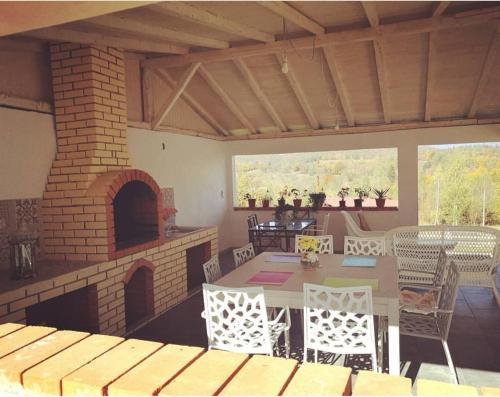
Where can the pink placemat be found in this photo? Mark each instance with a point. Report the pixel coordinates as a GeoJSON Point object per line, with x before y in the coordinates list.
{"type": "Point", "coordinates": [270, 278]}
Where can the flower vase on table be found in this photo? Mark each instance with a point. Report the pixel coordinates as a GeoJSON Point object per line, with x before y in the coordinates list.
{"type": "Point", "coordinates": [308, 247]}
{"type": "Point", "coordinates": [309, 260]}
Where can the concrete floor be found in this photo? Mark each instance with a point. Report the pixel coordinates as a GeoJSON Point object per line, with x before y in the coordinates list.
{"type": "Point", "coordinates": [474, 338]}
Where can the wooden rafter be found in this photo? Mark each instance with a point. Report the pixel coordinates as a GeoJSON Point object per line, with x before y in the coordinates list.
{"type": "Point", "coordinates": [371, 14]}
{"type": "Point", "coordinates": [233, 107]}
{"type": "Point", "coordinates": [63, 34]}
{"type": "Point", "coordinates": [288, 12]}
{"type": "Point", "coordinates": [19, 16]}
{"type": "Point", "coordinates": [159, 32]}
{"type": "Point", "coordinates": [147, 95]}
{"type": "Point", "coordinates": [193, 103]}
{"type": "Point", "coordinates": [485, 72]}
{"type": "Point", "coordinates": [190, 13]}
{"type": "Point", "coordinates": [439, 8]}
{"type": "Point", "coordinates": [174, 95]}
{"type": "Point", "coordinates": [261, 96]}
{"type": "Point", "coordinates": [339, 84]}
{"type": "Point", "coordinates": [339, 37]}
{"type": "Point", "coordinates": [430, 80]}
{"type": "Point", "coordinates": [300, 95]}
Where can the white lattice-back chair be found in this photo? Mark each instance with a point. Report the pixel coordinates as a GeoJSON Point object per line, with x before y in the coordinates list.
{"type": "Point", "coordinates": [339, 321]}
{"type": "Point", "coordinates": [319, 229]}
{"type": "Point", "coordinates": [474, 249]}
{"type": "Point", "coordinates": [354, 230]}
{"type": "Point", "coordinates": [364, 245]}
{"type": "Point", "coordinates": [431, 278]}
{"type": "Point", "coordinates": [243, 254]}
{"type": "Point", "coordinates": [324, 244]}
{"type": "Point", "coordinates": [211, 268]}
{"type": "Point", "coordinates": [237, 321]}
{"type": "Point", "coordinates": [435, 324]}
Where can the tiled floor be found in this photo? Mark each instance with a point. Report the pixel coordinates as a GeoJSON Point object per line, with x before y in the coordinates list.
{"type": "Point", "coordinates": [474, 339]}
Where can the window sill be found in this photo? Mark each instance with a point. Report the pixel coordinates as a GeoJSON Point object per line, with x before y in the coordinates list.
{"type": "Point", "coordinates": [321, 209]}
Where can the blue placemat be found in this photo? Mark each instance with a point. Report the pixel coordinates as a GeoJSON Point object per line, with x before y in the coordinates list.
{"type": "Point", "coordinates": [359, 261]}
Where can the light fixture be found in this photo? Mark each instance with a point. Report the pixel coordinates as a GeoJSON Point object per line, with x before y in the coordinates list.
{"type": "Point", "coordinates": [284, 64]}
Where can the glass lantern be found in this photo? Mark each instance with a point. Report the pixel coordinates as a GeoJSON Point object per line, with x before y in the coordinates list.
{"type": "Point", "coordinates": [22, 256]}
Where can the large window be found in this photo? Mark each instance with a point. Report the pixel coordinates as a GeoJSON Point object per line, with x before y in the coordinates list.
{"type": "Point", "coordinates": [317, 171]}
{"type": "Point", "coordinates": [459, 184]}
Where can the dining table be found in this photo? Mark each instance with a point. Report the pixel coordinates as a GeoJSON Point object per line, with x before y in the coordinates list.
{"type": "Point", "coordinates": [382, 274]}
{"type": "Point", "coordinates": [282, 229]}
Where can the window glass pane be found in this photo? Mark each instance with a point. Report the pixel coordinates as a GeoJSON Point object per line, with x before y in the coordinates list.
{"type": "Point", "coordinates": [459, 184]}
{"type": "Point", "coordinates": [317, 171]}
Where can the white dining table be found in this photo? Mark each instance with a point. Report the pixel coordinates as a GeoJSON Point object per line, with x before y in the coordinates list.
{"type": "Point", "coordinates": [290, 293]}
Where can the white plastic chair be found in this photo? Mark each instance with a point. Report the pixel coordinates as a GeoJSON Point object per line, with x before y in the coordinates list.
{"type": "Point", "coordinates": [243, 254]}
{"type": "Point", "coordinates": [354, 230]}
{"type": "Point", "coordinates": [325, 244]}
{"type": "Point", "coordinates": [435, 324]}
{"type": "Point", "coordinates": [364, 245]}
{"type": "Point", "coordinates": [211, 268]}
{"type": "Point", "coordinates": [339, 321]}
{"type": "Point", "coordinates": [237, 321]}
{"type": "Point", "coordinates": [319, 229]}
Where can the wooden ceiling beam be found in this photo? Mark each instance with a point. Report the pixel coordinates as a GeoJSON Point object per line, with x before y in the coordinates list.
{"type": "Point", "coordinates": [233, 107]}
{"type": "Point", "coordinates": [19, 16]}
{"type": "Point", "coordinates": [339, 37]}
{"type": "Point", "coordinates": [300, 95]}
{"type": "Point", "coordinates": [261, 96]}
{"type": "Point", "coordinates": [339, 85]}
{"type": "Point", "coordinates": [157, 31]}
{"type": "Point", "coordinates": [190, 13]}
{"type": "Point", "coordinates": [74, 36]}
{"type": "Point", "coordinates": [291, 14]}
{"type": "Point", "coordinates": [371, 14]}
{"type": "Point", "coordinates": [430, 80]}
{"type": "Point", "coordinates": [174, 95]}
{"type": "Point", "coordinates": [489, 61]}
{"type": "Point", "coordinates": [439, 8]}
{"type": "Point", "coordinates": [193, 103]}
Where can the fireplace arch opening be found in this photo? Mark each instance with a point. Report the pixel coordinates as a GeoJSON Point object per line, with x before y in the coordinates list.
{"type": "Point", "coordinates": [139, 296]}
{"type": "Point", "coordinates": [135, 213]}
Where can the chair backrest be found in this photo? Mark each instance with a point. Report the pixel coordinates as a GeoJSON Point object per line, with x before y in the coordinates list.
{"type": "Point", "coordinates": [324, 243]}
{"type": "Point", "coordinates": [326, 221]}
{"type": "Point", "coordinates": [352, 227]}
{"type": "Point", "coordinates": [243, 254]}
{"type": "Point", "coordinates": [211, 268]}
{"type": "Point", "coordinates": [252, 221]}
{"type": "Point", "coordinates": [236, 319]}
{"type": "Point", "coordinates": [447, 299]}
{"type": "Point", "coordinates": [364, 245]}
{"type": "Point", "coordinates": [339, 320]}
{"type": "Point", "coordinates": [441, 266]}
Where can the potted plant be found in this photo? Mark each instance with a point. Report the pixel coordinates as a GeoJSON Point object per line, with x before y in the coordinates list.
{"type": "Point", "coordinates": [381, 195]}
{"type": "Point", "coordinates": [297, 197]}
{"type": "Point", "coordinates": [362, 193]}
{"type": "Point", "coordinates": [266, 200]}
{"type": "Point", "coordinates": [343, 193]}
{"type": "Point", "coordinates": [251, 200]}
{"type": "Point", "coordinates": [317, 199]}
{"type": "Point", "coordinates": [283, 193]}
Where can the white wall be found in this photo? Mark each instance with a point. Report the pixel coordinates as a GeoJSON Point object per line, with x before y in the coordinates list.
{"type": "Point", "coordinates": [407, 143]}
{"type": "Point", "coordinates": [27, 148]}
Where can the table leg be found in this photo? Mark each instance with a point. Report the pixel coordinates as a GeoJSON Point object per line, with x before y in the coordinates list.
{"type": "Point", "coordinates": [393, 337]}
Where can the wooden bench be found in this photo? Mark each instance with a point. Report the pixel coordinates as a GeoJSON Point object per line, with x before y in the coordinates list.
{"type": "Point", "coordinates": [369, 383]}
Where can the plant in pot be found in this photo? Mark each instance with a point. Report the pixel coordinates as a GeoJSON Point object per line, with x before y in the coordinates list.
{"type": "Point", "coordinates": [266, 199]}
{"type": "Point", "coordinates": [297, 197]}
{"type": "Point", "coordinates": [317, 199]}
{"type": "Point", "coordinates": [282, 200]}
{"type": "Point", "coordinates": [362, 193]}
{"type": "Point", "coordinates": [342, 194]}
{"type": "Point", "coordinates": [251, 199]}
{"type": "Point", "coordinates": [380, 196]}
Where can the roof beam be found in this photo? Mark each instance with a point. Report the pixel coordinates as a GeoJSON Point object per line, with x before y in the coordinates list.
{"type": "Point", "coordinates": [431, 81]}
{"type": "Point", "coordinates": [141, 28]}
{"type": "Point", "coordinates": [485, 72]}
{"type": "Point", "coordinates": [371, 14]}
{"type": "Point", "coordinates": [439, 8]}
{"type": "Point", "coordinates": [301, 96]}
{"type": "Point", "coordinates": [339, 85]}
{"type": "Point", "coordinates": [214, 85]}
{"type": "Point", "coordinates": [18, 16]}
{"type": "Point", "coordinates": [190, 13]}
{"type": "Point", "coordinates": [193, 103]}
{"type": "Point", "coordinates": [340, 37]}
{"type": "Point", "coordinates": [288, 12]}
{"type": "Point", "coordinates": [74, 36]}
{"type": "Point", "coordinates": [174, 95]}
{"type": "Point", "coordinates": [261, 96]}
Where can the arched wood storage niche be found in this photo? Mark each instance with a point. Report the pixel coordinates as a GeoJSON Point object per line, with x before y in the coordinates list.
{"type": "Point", "coordinates": [139, 294]}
